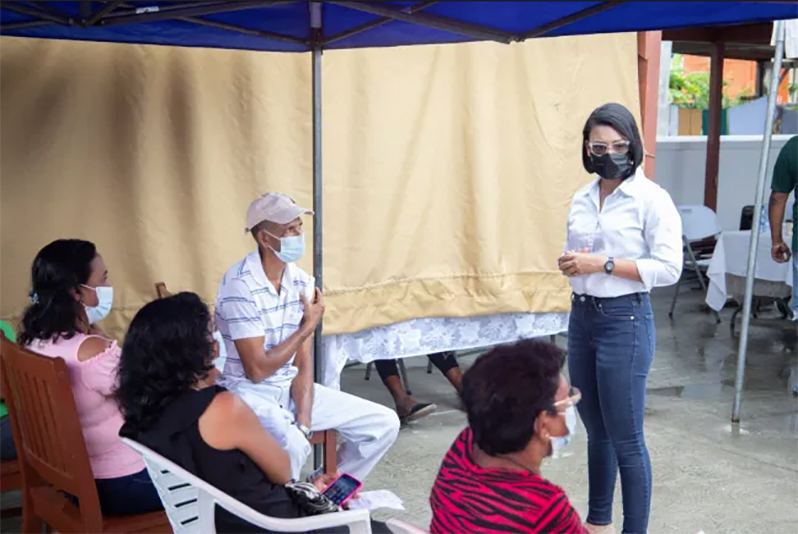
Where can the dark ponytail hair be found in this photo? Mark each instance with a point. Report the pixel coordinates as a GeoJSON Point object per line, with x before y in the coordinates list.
{"type": "Point", "coordinates": [622, 121]}
{"type": "Point", "coordinates": [167, 350]}
{"type": "Point", "coordinates": [57, 272]}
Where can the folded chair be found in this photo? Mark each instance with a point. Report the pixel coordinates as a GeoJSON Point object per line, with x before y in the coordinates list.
{"type": "Point", "coordinates": [698, 223]}
{"type": "Point", "coordinates": [52, 453]}
{"type": "Point", "coordinates": [190, 503]}
{"type": "Point", "coordinates": [326, 438]}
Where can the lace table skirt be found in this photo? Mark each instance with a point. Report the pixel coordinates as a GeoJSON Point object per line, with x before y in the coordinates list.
{"type": "Point", "coordinates": [419, 337]}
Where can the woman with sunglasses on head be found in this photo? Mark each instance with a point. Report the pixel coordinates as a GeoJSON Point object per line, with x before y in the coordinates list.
{"type": "Point", "coordinates": [520, 409]}
{"type": "Point", "coordinates": [624, 239]}
{"type": "Point", "coordinates": [70, 293]}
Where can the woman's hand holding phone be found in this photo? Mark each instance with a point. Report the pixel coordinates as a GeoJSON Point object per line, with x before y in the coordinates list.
{"type": "Point", "coordinates": [325, 480]}
{"type": "Point", "coordinates": [339, 489]}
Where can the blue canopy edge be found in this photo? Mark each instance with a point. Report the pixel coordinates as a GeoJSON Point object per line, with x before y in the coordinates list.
{"type": "Point", "coordinates": [284, 26]}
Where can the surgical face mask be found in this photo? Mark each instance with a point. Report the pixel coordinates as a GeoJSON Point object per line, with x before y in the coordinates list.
{"type": "Point", "coordinates": [291, 248]}
{"type": "Point", "coordinates": [560, 442]}
{"type": "Point", "coordinates": [219, 361]}
{"type": "Point", "coordinates": [105, 301]}
{"type": "Point", "coordinates": [613, 166]}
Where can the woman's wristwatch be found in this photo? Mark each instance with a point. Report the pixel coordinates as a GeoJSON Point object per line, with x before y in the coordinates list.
{"type": "Point", "coordinates": [609, 267]}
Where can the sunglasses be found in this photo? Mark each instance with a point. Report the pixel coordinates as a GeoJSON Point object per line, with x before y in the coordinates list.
{"type": "Point", "coordinates": [618, 147]}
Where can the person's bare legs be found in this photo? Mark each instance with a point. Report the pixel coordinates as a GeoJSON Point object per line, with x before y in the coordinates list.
{"type": "Point", "coordinates": [446, 362]}
{"type": "Point", "coordinates": [408, 408]}
{"type": "Point", "coordinates": [455, 377]}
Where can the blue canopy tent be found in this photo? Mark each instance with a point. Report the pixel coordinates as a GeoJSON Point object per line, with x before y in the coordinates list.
{"type": "Point", "coordinates": [286, 26]}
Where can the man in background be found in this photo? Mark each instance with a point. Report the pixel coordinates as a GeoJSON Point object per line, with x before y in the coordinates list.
{"type": "Point", "coordinates": [785, 181]}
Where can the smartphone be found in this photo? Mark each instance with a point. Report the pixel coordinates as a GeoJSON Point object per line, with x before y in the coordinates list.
{"type": "Point", "coordinates": [342, 489]}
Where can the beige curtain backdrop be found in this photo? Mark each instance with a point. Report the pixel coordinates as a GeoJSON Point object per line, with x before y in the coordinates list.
{"type": "Point", "coordinates": [448, 170]}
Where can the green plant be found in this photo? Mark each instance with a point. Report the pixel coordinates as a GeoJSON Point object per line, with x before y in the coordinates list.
{"type": "Point", "coordinates": [692, 90]}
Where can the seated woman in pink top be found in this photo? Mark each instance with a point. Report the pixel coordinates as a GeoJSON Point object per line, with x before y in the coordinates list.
{"type": "Point", "coordinates": [70, 293]}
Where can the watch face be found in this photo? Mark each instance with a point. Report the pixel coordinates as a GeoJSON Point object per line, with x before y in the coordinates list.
{"type": "Point", "coordinates": [610, 266]}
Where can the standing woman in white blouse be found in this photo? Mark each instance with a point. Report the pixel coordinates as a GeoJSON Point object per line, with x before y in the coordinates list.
{"type": "Point", "coordinates": [624, 238]}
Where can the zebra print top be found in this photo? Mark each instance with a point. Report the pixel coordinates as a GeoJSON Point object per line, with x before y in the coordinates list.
{"type": "Point", "coordinates": [468, 498]}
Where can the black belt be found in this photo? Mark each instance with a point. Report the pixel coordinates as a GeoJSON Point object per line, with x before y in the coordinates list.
{"type": "Point", "coordinates": [640, 298]}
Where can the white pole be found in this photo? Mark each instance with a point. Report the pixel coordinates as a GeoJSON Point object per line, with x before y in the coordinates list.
{"type": "Point", "coordinates": [760, 197]}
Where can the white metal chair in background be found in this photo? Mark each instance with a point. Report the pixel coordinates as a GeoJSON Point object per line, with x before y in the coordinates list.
{"type": "Point", "coordinates": [698, 223]}
{"type": "Point", "coordinates": [190, 502]}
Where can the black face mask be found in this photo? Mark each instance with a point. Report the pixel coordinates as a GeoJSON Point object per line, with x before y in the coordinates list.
{"type": "Point", "coordinates": [613, 166]}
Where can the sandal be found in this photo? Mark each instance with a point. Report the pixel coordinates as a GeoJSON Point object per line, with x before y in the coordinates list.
{"type": "Point", "coordinates": [422, 409]}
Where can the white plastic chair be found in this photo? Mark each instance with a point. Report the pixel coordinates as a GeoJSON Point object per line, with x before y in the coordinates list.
{"type": "Point", "coordinates": [698, 223]}
{"type": "Point", "coordinates": [400, 527]}
{"type": "Point", "coordinates": [189, 503]}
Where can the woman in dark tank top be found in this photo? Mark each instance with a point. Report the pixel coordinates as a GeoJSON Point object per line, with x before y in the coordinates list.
{"type": "Point", "coordinates": [171, 404]}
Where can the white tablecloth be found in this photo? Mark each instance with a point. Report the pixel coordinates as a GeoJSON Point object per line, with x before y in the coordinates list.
{"type": "Point", "coordinates": [731, 258]}
{"type": "Point", "coordinates": [419, 337]}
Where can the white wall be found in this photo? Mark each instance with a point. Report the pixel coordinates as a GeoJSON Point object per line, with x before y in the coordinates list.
{"type": "Point", "coordinates": [681, 163]}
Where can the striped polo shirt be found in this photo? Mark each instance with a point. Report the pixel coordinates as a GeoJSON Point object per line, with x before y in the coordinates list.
{"type": "Point", "coordinates": [247, 306]}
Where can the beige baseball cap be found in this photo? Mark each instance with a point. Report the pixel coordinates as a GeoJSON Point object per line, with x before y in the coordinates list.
{"type": "Point", "coordinates": [274, 207]}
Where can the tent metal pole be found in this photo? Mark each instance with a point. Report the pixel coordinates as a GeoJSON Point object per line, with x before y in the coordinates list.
{"type": "Point", "coordinates": [376, 23]}
{"type": "Point", "coordinates": [570, 19]}
{"type": "Point", "coordinates": [316, 37]}
{"type": "Point", "coordinates": [475, 31]}
{"type": "Point", "coordinates": [25, 25]}
{"type": "Point", "coordinates": [91, 20]}
{"type": "Point", "coordinates": [30, 11]}
{"type": "Point", "coordinates": [760, 197]}
{"type": "Point", "coordinates": [176, 10]}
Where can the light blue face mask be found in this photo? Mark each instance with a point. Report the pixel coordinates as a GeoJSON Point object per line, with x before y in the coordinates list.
{"type": "Point", "coordinates": [219, 362]}
{"type": "Point", "coordinates": [560, 442]}
{"type": "Point", "coordinates": [105, 301]}
{"type": "Point", "coordinates": [291, 248]}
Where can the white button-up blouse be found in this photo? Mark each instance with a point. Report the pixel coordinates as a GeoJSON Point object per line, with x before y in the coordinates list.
{"type": "Point", "coordinates": [638, 222]}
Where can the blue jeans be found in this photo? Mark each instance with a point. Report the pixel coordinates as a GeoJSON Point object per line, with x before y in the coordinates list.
{"type": "Point", "coordinates": [610, 348]}
{"type": "Point", "coordinates": [7, 449]}
{"type": "Point", "coordinates": [127, 495]}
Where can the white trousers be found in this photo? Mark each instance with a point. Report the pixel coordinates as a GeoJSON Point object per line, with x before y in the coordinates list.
{"type": "Point", "coordinates": [368, 429]}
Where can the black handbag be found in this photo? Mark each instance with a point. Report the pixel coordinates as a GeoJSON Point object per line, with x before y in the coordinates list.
{"type": "Point", "coordinates": [309, 499]}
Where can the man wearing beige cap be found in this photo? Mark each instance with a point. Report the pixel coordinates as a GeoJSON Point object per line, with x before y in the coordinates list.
{"type": "Point", "coordinates": [267, 309]}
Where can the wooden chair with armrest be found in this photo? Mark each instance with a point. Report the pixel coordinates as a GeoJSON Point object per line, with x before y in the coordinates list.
{"type": "Point", "coordinates": [326, 438]}
{"type": "Point", "coordinates": [52, 452]}
{"type": "Point", "coordinates": [10, 475]}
